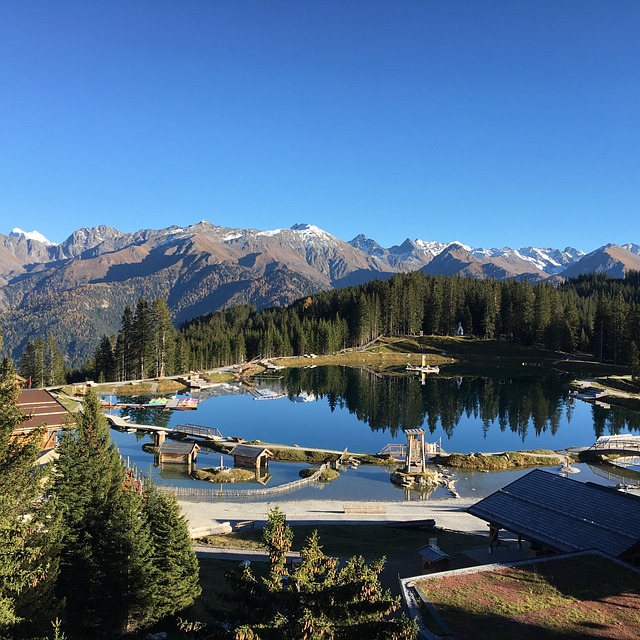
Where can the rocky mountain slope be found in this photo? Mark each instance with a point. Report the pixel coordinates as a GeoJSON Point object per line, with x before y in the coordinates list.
{"type": "Point", "coordinates": [76, 290]}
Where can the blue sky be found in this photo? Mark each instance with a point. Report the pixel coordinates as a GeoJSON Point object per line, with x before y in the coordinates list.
{"type": "Point", "coordinates": [492, 122]}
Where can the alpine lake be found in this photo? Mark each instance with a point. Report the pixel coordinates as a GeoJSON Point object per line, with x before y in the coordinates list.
{"type": "Point", "coordinates": [337, 408]}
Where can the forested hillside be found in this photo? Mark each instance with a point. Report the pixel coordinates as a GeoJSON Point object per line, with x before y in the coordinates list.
{"type": "Point", "coordinates": [592, 314]}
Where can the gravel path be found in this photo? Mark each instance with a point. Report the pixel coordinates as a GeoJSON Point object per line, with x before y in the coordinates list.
{"type": "Point", "coordinates": [448, 513]}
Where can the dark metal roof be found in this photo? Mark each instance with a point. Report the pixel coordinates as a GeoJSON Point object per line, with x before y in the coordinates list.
{"type": "Point", "coordinates": [42, 409]}
{"type": "Point", "coordinates": [432, 554]}
{"type": "Point", "coordinates": [178, 447]}
{"type": "Point", "coordinates": [564, 514]}
{"type": "Point", "coordinates": [249, 451]}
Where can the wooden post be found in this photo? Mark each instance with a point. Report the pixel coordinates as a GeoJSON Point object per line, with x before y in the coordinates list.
{"type": "Point", "coordinates": [159, 438]}
{"type": "Point", "coordinates": [493, 536]}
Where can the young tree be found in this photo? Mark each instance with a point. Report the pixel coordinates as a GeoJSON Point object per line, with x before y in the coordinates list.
{"type": "Point", "coordinates": [318, 600]}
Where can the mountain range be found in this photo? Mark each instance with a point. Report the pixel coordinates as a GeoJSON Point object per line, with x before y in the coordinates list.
{"type": "Point", "coordinates": [76, 290]}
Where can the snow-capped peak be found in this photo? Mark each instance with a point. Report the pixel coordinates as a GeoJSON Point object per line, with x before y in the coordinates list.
{"type": "Point", "coordinates": [309, 229]}
{"type": "Point", "coordinates": [31, 235]}
{"type": "Point", "coordinates": [309, 233]}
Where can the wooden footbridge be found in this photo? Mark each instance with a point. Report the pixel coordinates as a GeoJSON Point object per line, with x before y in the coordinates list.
{"type": "Point", "coordinates": [205, 434]}
{"type": "Point", "coordinates": [624, 444]}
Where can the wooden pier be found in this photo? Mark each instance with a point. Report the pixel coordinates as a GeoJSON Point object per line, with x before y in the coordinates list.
{"type": "Point", "coordinates": [180, 432]}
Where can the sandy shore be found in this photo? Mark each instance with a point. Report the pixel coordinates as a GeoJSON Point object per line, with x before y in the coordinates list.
{"type": "Point", "coordinates": [448, 513]}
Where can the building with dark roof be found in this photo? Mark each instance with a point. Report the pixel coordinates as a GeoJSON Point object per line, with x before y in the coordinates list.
{"type": "Point", "coordinates": [558, 514]}
{"type": "Point", "coordinates": [42, 411]}
{"type": "Point", "coordinates": [251, 456]}
{"type": "Point", "coordinates": [178, 452]}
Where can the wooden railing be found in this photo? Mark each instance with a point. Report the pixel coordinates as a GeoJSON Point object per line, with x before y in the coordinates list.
{"type": "Point", "coordinates": [617, 443]}
{"type": "Point", "coordinates": [207, 494]}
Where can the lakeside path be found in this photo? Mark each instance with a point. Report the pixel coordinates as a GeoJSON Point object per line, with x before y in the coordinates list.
{"type": "Point", "coordinates": [448, 513]}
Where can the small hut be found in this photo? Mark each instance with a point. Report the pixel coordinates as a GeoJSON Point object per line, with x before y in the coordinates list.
{"type": "Point", "coordinates": [178, 453]}
{"type": "Point", "coordinates": [251, 456]}
{"type": "Point", "coordinates": [433, 559]}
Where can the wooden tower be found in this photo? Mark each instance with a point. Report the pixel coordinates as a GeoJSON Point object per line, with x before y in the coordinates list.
{"type": "Point", "coordinates": [416, 450]}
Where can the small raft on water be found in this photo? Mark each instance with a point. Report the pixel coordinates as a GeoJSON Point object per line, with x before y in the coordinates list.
{"type": "Point", "coordinates": [268, 395]}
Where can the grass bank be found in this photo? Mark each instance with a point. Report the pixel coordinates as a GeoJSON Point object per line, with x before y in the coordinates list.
{"type": "Point", "coordinates": [370, 541]}
{"type": "Point", "coordinates": [460, 356]}
{"type": "Point", "coordinates": [621, 391]}
{"type": "Point", "coordinates": [500, 461]}
{"type": "Point", "coordinates": [224, 477]}
{"type": "Point", "coordinates": [286, 453]}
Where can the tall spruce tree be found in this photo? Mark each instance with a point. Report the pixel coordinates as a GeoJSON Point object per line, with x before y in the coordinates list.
{"type": "Point", "coordinates": [28, 522]}
{"type": "Point", "coordinates": [175, 570]}
{"type": "Point", "coordinates": [106, 548]}
{"type": "Point", "coordinates": [163, 338]}
{"type": "Point", "coordinates": [143, 338]}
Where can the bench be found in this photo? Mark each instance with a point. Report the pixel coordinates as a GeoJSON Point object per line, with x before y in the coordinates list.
{"type": "Point", "coordinates": [365, 509]}
{"type": "Point", "coordinates": [244, 524]}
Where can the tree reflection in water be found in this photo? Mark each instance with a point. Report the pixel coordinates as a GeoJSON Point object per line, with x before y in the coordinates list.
{"type": "Point", "coordinates": [394, 402]}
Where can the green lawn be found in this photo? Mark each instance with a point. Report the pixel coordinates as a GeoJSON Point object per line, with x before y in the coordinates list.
{"type": "Point", "coordinates": [370, 541]}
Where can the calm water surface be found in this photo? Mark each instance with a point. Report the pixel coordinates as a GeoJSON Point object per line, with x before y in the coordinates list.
{"type": "Point", "coordinates": [339, 407]}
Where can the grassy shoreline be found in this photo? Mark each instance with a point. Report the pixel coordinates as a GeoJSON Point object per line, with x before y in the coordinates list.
{"type": "Point", "coordinates": [455, 356]}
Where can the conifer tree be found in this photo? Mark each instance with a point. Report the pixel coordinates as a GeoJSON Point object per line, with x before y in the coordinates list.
{"type": "Point", "coordinates": [163, 338]}
{"type": "Point", "coordinates": [143, 338]}
{"type": "Point", "coordinates": [175, 567]}
{"type": "Point", "coordinates": [28, 523]}
{"type": "Point", "coordinates": [278, 537]}
{"type": "Point", "coordinates": [318, 600]}
{"type": "Point", "coordinates": [106, 549]}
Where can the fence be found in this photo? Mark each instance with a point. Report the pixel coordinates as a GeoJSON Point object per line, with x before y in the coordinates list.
{"type": "Point", "coordinates": [188, 493]}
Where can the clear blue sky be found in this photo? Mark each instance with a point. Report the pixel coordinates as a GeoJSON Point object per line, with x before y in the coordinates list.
{"type": "Point", "coordinates": [493, 122]}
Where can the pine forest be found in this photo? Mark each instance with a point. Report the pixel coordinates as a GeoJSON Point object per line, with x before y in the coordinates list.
{"type": "Point", "coordinates": [593, 314]}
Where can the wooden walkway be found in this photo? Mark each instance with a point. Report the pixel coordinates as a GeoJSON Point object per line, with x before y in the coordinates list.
{"type": "Point", "coordinates": [626, 444]}
{"type": "Point", "coordinates": [125, 425]}
{"type": "Point", "coordinates": [187, 430]}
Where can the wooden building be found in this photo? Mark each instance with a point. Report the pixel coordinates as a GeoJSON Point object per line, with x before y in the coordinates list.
{"type": "Point", "coordinates": [433, 559]}
{"type": "Point", "coordinates": [561, 515]}
{"type": "Point", "coordinates": [42, 411]}
{"type": "Point", "coordinates": [171, 452]}
{"type": "Point", "coordinates": [251, 456]}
